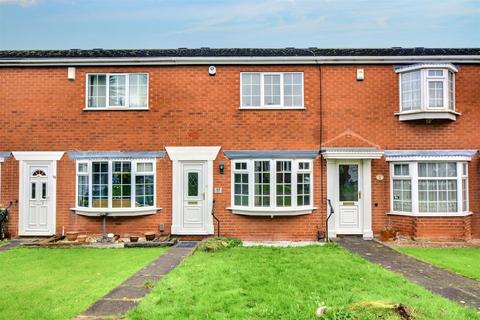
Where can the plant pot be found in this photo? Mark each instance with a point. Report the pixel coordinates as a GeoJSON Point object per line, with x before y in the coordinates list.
{"type": "Point", "coordinates": [82, 238]}
{"type": "Point", "coordinates": [150, 236]}
{"type": "Point", "coordinates": [72, 235]}
{"type": "Point", "coordinates": [386, 235]}
{"type": "Point", "coordinates": [133, 239]}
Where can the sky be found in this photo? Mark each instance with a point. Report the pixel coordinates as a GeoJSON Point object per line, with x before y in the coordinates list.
{"type": "Point", "coordinates": [85, 24]}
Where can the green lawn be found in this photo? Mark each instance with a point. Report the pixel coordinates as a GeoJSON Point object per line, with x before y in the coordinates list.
{"type": "Point", "coordinates": [61, 283]}
{"type": "Point", "coordinates": [465, 261]}
{"type": "Point", "coordinates": [287, 283]}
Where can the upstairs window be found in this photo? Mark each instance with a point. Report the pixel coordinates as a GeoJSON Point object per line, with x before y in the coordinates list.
{"type": "Point", "coordinates": [427, 89]}
{"type": "Point", "coordinates": [271, 90]}
{"type": "Point", "coordinates": [114, 90]}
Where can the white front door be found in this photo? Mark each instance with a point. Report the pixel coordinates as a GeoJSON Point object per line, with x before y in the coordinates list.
{"type": "Point", "coordinates": [37, 196]}
{"type": "Point", "coordinates": [349, 198]}
{"type": "Point", "coordinates": [194, 209]}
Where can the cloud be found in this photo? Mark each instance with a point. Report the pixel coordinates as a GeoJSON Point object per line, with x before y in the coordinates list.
{"type": "Point", "coordinates": [23, 3]}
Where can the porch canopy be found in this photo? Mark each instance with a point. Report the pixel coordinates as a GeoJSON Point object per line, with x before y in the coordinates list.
{"type": "Point", "coordinates": [351, 153]}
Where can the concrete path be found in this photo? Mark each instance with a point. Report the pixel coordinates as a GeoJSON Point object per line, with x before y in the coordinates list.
{"type": "Point", "coordinates": [128, 294]}
{"type": "Point", "coordinates": [13, 244]}
{"type": "Point", "coordinates": [452, 286]}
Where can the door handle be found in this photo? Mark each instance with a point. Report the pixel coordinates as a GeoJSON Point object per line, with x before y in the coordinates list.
{"type": "Point", "coordinates": [359, 194]}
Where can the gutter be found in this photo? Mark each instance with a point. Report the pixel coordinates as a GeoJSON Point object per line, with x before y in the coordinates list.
{"type": "Point", "coordinates": [239, 60]}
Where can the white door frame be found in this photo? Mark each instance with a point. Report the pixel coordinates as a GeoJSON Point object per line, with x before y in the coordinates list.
{"type": "Point", "coordinates": [336, 199]}
{"type": "Point", "coordinates": [179, 155]}
{"type": "Point", "coordinates": [25, 159]}
{"type": "Point", "coordinates": [363, 156]}
{"type": "Point", "coordinates": [365, 205]}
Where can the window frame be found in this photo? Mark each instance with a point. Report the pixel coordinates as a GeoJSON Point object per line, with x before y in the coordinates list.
{"type": "Point", "coordinates": [280, 106]}
{"type": "Point", "coordinates": [400, 177]}
{"type": "Point", "coordinates": [448, 104]}
{"type": "Point", "coordinates": [414, 178]}
{"type": "Point", "coordinates": [273, 185]}
{"type": "Point", "coordinates": [107, 91]}
{"type": "Point", "coordinates": [445, 89]}
{"type": "Point", "coordinates": [134, 173]}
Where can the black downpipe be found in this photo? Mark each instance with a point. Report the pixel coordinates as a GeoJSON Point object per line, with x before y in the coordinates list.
{"type": "Point", "coordinates": [328, 218]}
{"type": "Point", "coordinates": [216, 219]}
{"type": "Point", "coordinates": [320, 71]}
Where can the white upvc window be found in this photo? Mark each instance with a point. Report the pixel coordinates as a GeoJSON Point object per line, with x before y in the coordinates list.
{"type": "Point", "coordinates": [271, 90]}
{"type": "Point", "coordinates": [117, 91]}
{"type": "Point", "coordinates": [401, 188]}
{"type": "Point", "coordinates": [115, 184]}
{"type": "Point", "coordinates": [269, 184]}
{"type": "Point", "coordinates": [437, 188]}
{"type": "Point", "coordinates": [428, 89]}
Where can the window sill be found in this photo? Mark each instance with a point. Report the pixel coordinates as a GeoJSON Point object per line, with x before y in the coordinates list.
{"type": "Point", "coordinates": [427, 115]}
{"type": "Point", "coordinates": [283, 212]}
{"type": "Point", "coordinates": [272, 108]}
{"type": "Point", "coordinates": [433, 214]}
{"type": "Point", "coordinates": [120, 212]}
{"type": "Point", "coordinates": [116, 109]}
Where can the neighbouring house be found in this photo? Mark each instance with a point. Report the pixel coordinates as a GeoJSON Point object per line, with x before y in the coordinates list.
{"type": "Point", "coordinates": [153, 139]}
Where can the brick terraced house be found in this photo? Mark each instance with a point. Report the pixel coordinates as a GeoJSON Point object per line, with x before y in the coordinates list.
{"type": "Point", "coordinates": [154, 139]}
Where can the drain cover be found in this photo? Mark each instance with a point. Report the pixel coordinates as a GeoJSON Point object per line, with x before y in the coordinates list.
{"type": "Point", "coordinates": [187, 244]}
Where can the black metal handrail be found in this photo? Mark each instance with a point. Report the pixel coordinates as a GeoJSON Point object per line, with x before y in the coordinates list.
{"type": "Point", "coordinates": [4, 221]}
{"type": "Point", "coordinates": [332, 211]}
{"type": "Point", "coordinates": [216, 219]}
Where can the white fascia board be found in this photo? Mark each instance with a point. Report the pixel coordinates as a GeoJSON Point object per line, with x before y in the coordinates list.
{"type": "Point", "coordinates": [419, 66]}
{"type": "Point", "coordinates": [240, 60]}
{"type": "Point", "coordinates": [431, 215]}
{"type": "Point", "coordinates": [192, 153]}
{"type": "Point", "coordinates": [344, 155]}
{"type": "Point", "coordinates": [427, 158]}
{"type": "Point", "coordinates": [38, 155]}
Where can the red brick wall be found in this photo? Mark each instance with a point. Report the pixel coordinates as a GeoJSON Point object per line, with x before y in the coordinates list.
{"type": "Point", "coordinates": [432, 228]}
{"type": "Point", "coordinates": [364, 111]}
{"type": "Point", "coordinates": [42, 110]}
{"type": "Point", "coordinates": [403, 225]}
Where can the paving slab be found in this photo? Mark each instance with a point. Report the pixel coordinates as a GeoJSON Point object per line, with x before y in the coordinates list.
{"type": "Point", "coordinates": [448, 284]}
{"type": "Point", "coordinates": [108, 308]}
{"type": "Point", "coordinates": [128, 294]}
{"type": "Point", "coordinates": [13, 244]}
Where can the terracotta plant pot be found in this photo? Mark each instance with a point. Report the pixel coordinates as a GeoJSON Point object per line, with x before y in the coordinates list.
{"type": "Point", "coordinates": [133, 239]}
{"type": "Point", "coordinates": [386, 235]}
{"type": "Point", "coordinates": [72, 235]}
{"type": "Point", "coordinates": [149, 236]}
{"type": "Point", "coordinates": [82, 238]}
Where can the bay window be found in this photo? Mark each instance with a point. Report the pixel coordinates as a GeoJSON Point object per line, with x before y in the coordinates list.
{"type": "Point", "coordinates": [271, 185]}
{"type": "Point", "coordinates": [115, 184]}
{"type": "Point", "coordinates": [271, 90]}
{"type": "Point", "coordinates": [114, 90]}
{"type": "Point", "coordinates": [427, 91]}
{"type": "Point", "coordinates": [429, 188]}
